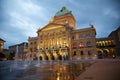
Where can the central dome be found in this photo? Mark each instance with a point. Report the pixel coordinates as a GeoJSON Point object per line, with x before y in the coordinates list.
{"type": "Point", "coordinates": [63, 11]}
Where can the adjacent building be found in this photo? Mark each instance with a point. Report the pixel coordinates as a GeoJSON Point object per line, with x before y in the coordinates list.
{"type": "Point", "coordinates": [116, 37]}
{"type": "Point", "coordinates": [21, 48]}
{"type": "Point", "coordinates": [106, 47]}
{"type": "Point", "coordinates": [1, 44]}
{"type": "Point", "coordinates": [32, 46]}
{"type": "Point", "coordinates": [3, 55]}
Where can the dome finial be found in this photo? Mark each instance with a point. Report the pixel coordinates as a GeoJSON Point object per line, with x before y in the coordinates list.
{"type": "Point", "coordinates": [63, 8]}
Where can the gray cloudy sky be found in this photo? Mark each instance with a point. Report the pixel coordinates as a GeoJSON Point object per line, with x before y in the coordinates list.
{"type": "Point", "coordinates": [20, 19]}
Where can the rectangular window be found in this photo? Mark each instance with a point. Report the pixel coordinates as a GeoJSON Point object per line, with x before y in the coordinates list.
{"type": "Point", "coordinates": [73, 37]}
{"type": "Point", "coordinates": [80, 36]}
{"type": "Point", "coordinates": [31, 43]}
{"type": "Point", "coordinates": [88, 36]}
{"type": "Point", "coordinates": [30, 49]}
{"type": "Point", "coordinates": [88, 43]}
{"type": "Point", "coordinates": [81, 52]}
{"type": "Point", "coordinates": [89, 52]}
{"type": "Point", "coordinates": [74, 54]}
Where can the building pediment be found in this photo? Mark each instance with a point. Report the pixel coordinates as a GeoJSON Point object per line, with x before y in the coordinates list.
{"type": "Point", "coordinates": [51, 26]}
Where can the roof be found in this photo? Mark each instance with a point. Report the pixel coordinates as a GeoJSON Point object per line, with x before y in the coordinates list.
{"type": "Point", "coordinates": [114, 32]}
{"type": "Point", "coordinates": [2, 40]}
{"type": "Point", "coordinates": [63, 11]}
{"type": "Point", "coordinates": [18, 44]}
{"type": "Point", "coordinates": [104, 38]}
{"type": "Point", "coordinates": [83, 29]}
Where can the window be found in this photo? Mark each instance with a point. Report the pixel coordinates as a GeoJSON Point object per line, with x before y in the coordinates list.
{"type": "Point", "coordinates": [74, 53]}
{"type": "Point", "coordinates": [81, 45]}
{"type": "Point", "coordinates": [88, 43]}
{"type": "Point", "coordinates": [80, 36]}
{"type": "Point", "coordinates": [88, 36]}
{"type": "Point", "coordinates": [89, 52]}
{"type": "Point", "coordinates": [81, 52]}
{"type": "Point", "coordinates": [31, 43]}
{"type": "Point", "coordinates": [35, 48]}
{"type": "Point", "coordinates": [74, 45]}
{"type": "Point", "coordinates": [30, 49]}
{"type": "Point", "coordinates": [34, 42]}
{"type": "Point", "coordinates": [73, 37]}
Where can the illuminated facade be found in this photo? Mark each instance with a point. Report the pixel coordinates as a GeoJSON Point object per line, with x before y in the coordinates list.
{"type": "Point", "coordinates": [60, 39]}
{"type": "Point", "coordinates": [109, 47]}
{"type": "Point", "coordinates": [32, 47]}
{"type": "Point", "coordinates": [106, 47]}
{"type": "Point", "coordinates": [116, 37]}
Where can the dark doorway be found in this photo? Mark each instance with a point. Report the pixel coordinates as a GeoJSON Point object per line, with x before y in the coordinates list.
{"type": "Point", "coordinates": [100, 55]}
{"type": "Point", "coordinates": [40, 57]}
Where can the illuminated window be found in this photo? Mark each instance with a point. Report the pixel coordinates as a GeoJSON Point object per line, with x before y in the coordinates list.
{"type": "Point", "coordinates": [81, 45]}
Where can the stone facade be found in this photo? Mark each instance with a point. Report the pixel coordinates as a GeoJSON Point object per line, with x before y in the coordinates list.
{"type": "Point", "coordinates": [83, 43]}
{"type": "Point", "coordinates": [60, 39]}
{"type": "Point", "coordinates": [32, 46]}
{"type": "Point", "coordinates": [116, 37]}
{"type": "Point", "coordinates": [105, 47]}
{"type": "Point", "coordinates": [1, 45]}
{"type": "Point", "coordinates": [21, 51]}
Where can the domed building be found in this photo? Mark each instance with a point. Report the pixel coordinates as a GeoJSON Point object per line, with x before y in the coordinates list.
{"type": "Point", "coordinates": [60, 39]}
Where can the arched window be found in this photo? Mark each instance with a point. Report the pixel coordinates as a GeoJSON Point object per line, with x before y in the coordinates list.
{"type": "Point", "coordinates": [81, 53]}
{"type": "Point", "coordinates": [88, 43]}
{"type": "Point", "coordinates": [80, 36]}
{"type": "Point", "coordinates": [89, 52]}
{"type": "Point", "coordinates": [73, 37]}
{"type": "Point", "coordinates": [88, 35]}
{"type": "Point", "coordinates": [74, 54]}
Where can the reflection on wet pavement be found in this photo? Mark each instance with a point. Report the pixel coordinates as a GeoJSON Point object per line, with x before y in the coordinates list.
{"type": "Point", "coordinates": [51, 70]}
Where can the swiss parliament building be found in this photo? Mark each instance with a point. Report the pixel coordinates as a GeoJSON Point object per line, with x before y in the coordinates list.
{"type": "Point", "coordinates": [60, 39]}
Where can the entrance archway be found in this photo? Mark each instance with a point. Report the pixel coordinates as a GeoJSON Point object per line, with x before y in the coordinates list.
{"type": "Point", "coordinates": [52, 57]}
{"type": "Point", "coordinates": [100, 54]}
{"type": "Point", "coordinates": [47, 57]}
{"type": "Point", "coordinates": [106, 52]}
{"type": "Point", "coordinates": [40, 57]}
